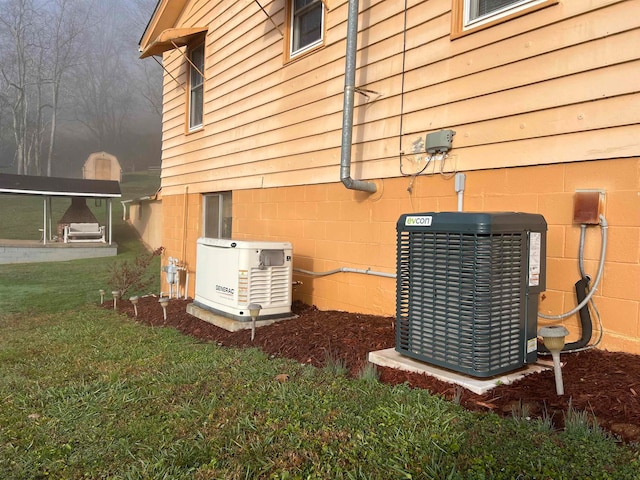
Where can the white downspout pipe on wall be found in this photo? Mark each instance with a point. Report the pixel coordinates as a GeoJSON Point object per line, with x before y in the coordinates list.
{"type": "Point", "coordinates": [347, 113]}
{"type": "Point", "coordinates": [459, 185]}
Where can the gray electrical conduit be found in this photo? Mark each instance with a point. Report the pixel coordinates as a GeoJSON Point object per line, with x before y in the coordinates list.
{"type": "Point", "coordinates": [583, 232]}
{"type": "Point", "coordinates": [345, 270]}
{"type": "Point", "coordinates": [603, 249]}
{"type": "Point", "coordinates": [603, 225]}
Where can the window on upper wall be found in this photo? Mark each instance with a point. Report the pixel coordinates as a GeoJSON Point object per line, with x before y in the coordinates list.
{"type": "Point", "coordinates": [196, 87]}
{"type": "Point", "coordinates": [305, 26]}
{"type": "Point", "coordinates": [217, 215]}
{"type": "Point", "coordinates": [470, 15]}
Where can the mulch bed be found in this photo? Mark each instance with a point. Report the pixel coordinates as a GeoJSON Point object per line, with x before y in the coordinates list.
{"type": "Point", "coordinates": [606, 384]}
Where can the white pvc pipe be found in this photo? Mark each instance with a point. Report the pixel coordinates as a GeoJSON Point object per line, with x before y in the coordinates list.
{"type": "Point", "coordinates": [459, 186]}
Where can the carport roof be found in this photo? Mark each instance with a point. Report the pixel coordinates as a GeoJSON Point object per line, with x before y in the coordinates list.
{"type": "Point", "coordinates": [57, 186]}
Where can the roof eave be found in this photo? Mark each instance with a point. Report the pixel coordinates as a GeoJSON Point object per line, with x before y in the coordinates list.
{"type": "Point", "coordinates": [164, 16]}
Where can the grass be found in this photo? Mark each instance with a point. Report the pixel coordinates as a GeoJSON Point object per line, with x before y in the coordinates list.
{"type": "Point", "coordinates": [86, 393]}
{"type": "Point", "coordinates": [57, 286]}
{"type": "Point", "coordinates": [90, 394]}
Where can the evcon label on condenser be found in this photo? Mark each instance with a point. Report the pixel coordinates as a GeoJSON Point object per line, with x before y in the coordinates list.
{"type": "Point", "coordinates": [418, 221]}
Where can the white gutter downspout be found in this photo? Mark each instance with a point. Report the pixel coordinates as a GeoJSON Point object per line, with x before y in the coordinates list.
{"type": "Point", "coordinates": [347, 115]}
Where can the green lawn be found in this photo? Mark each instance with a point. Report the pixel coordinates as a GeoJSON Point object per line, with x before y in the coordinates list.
{"type": "Point", "coordinates": [87, 393]}
{"type": "Point", "coordinates": [59, 286]}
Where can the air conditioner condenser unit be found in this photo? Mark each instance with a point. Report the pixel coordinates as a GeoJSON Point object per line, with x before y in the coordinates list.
{"type": "Point", "coordinates": [231, 274]}
{"type": "Point", "coordinates": [467, 289]}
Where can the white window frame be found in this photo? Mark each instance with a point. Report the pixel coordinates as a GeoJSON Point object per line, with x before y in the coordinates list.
{"type": "Point", "coordinates": [291, 31]}
{"type": "Point", "coordinates": [514, 7]}
{"type": "Point", "coordinates": [463, 22]}
{"type": "Point", "coordinates": [196, 84]}
{"type": "Point", "coordinates": [220, 230]}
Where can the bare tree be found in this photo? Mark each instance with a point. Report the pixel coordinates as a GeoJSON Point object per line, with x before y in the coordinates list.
{"type": "Point", "coordinates": [104, 101]}
{"type": "Point", "coordinates": [45, 43]}
{"type": "Point", "coordinates": [68, 22]}
{"type": "Point", "coordinates": [75, 61]}
{"type": "Point", "coordinates": [102, 83]}
{"type": "Point", "coordinates": [16, 22]}
{"type": "Point", "coordinates": [149, 73]}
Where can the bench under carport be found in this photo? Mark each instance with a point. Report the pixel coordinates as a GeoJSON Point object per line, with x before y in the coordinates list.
{"type": "Point", "coordinates": [83, 232]}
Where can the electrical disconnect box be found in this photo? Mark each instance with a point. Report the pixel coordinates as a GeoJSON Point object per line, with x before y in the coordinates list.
{"type": "Point", "coordinates": [440, 142]}
{"type": "Point", "coordinates": [587, 206]}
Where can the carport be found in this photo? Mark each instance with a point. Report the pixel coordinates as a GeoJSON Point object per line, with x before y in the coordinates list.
{"type": "Point", "coordinates": [74, 188]}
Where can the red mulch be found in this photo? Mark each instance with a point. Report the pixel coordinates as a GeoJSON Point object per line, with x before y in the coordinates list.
{"type": "Point", "coordinates": [606, 384]}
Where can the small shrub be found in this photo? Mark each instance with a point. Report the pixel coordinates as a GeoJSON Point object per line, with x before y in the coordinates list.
{"type": "Point", "coordinates": [132, 275]}
{"type": "Point", "coordinates": [369, 373]}
{"type": "Point", "coordinates": [521, 411]}
{"type": "Point", "coordinates": [335, 365]}
{"type": "Point", "coordinates": [581, 424]}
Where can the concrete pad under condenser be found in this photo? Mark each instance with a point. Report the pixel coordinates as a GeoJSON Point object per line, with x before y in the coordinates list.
{"type": "Point", "coordinates": [391, 358]}
{"type": "Point", "coordinates": [229, 324]}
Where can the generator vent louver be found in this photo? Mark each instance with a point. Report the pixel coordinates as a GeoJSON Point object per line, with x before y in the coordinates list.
{"type": "Point", "coordinates": [270, 286]}
{"type": "Point", "coordinates": [464, 293]}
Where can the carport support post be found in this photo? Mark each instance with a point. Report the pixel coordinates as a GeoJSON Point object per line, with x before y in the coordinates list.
{"type": "Point", "coordinates": [50, 208]}
{"type": "Point", "coordinates": [44, 225]}
{"type": "Point", "coordinates": [110, 219]}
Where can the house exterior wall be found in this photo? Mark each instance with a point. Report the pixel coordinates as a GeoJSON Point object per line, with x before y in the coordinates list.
{"type": "Point", "coordinates": [146, 218]}
{"type": "Point", "coordinates": [557, 85]}
{"type": "Point", "coordinates": [331, 227]}
{"type": "Point", "coordinates": [542, 105]}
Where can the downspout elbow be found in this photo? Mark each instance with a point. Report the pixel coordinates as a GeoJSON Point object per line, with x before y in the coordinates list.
{"type": "Point", "coordinates": [359, 185]}
{"type": "Point", "coordinates": [347, 114]}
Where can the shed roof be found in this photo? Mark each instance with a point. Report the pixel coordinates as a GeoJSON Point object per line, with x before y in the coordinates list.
{"type": "Point", "coordinates": [58, 186]}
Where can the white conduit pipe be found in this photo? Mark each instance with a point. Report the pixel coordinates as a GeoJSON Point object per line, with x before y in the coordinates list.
{"type": "Point", "coordinates": [603, 249]}
{"type": "Point", "coordinates": [345, 270]}
{"type": "Point", "coordinates": [459, 186]}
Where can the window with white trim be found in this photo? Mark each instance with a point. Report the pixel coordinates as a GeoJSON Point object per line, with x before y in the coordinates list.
{"type": "Point", "coordinates": [472, 14]}
{"type": "Point", "coordinates": [305, 26]}
{"type": "Point", "coordinates": [196, 86]}
{"type": "Point", "coordinates": [217, 215]}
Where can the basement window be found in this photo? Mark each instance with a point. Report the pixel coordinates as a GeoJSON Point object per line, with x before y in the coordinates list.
{"type": "Point", "coordinates": [471, 15]}
{"type": "Point", "coordinates": [305, 26]}
{"type": "Point", "coordinates": [217, 215]}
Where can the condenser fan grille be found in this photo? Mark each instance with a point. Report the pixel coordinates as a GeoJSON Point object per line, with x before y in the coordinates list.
{"type": "Point", "coordinates": [462, 299]}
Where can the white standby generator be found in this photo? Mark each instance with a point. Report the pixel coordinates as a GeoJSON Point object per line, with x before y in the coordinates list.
{"type": "Point", "coordinates": [231, 274]}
